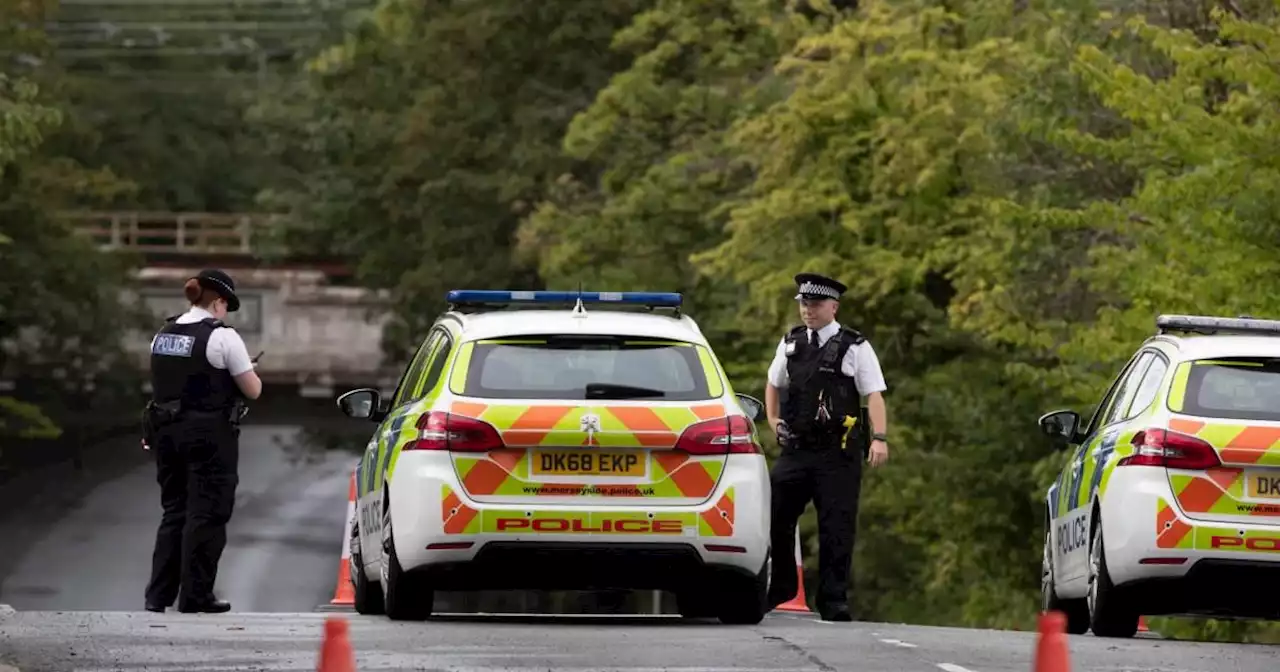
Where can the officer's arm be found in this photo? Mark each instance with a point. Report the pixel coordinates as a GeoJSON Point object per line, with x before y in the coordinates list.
{"type": "Point", "coordinates": [879, 419]}
{"type": "Point", "coordinates": [237, 362]}
{"type": "Point", "coordinates": [777, 380]}
{"type": "Point", "coordinates": [866, 371]}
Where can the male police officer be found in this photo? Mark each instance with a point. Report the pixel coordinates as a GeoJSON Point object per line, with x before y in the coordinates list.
{"type": "Point", "coordinates": [824, 369]}
{"type": "Point", "coordinates": [200, 374]}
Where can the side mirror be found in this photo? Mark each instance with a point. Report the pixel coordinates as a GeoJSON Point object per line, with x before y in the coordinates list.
{"type": "Point", "coordinates": [364, 403]}
{"type": "Point", "coordinates": [1060, 426]}
{"type": "Point", "coordinates": [753, 407]}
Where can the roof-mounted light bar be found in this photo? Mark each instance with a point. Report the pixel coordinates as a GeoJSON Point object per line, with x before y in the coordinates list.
{"type": "Point", "coordinates": [481, 297]}
{"type": "Point", "coordinates": [1204, 324]}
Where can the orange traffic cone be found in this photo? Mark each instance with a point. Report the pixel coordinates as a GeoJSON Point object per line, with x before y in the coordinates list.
{"type": "Point", "coordinates": [797, 603]}
{"type": "Point", "coordinates": [336, 654]}
{"type": "Point", "coordinates": [1051, 646]}
{"type": "Point", "coordinates": [345, 593]}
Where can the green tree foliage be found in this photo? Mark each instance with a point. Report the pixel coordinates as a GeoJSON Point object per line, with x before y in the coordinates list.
{"type": "Point", "coordinates": [426, 136]}
{"type": "Point", "coordinates": [59, 297]}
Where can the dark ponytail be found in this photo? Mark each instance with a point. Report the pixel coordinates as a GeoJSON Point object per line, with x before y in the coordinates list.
{"type": "Point", "coordinates": [193, 291]}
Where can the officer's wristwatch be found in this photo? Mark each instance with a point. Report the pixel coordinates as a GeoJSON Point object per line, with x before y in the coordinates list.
{"type": "Point", "coordinates": [880, 436]}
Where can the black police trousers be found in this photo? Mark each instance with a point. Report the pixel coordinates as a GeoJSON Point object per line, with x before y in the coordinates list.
{"type": "Point", "coordinates": [832, 479]}
{"type": "Point", "coordinates": [196, 466]}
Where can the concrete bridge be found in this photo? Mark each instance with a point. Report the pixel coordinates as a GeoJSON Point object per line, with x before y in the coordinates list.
{"type": "Point", "coordinates": [320, 334]}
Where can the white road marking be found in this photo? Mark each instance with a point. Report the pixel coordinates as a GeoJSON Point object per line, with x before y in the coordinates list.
{"type": "Point", "coordinates": [898, 642]}
{"type": "Point", "coordinates": [952, 667]}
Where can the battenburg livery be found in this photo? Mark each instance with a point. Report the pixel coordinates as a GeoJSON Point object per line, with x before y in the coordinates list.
{"type": "Point", "coordinates": [1169, 502]}
{"type": "Point", "coordinates": [562, 440]}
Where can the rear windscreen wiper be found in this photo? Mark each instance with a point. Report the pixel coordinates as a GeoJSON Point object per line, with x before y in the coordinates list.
{"type": "Point", "coordinates": [612, 391]}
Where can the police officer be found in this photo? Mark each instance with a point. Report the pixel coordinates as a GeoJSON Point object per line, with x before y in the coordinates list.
{"type": "Point", "coordinates": [824, 369]}
{"type": "Point", "coordinates": [201, 373]}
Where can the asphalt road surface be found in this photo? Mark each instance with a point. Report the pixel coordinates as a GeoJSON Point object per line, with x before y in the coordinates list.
{"type": "Point", "coordinates": [284, 539]}
{"type": "Point", "coordinates": [93, 642]}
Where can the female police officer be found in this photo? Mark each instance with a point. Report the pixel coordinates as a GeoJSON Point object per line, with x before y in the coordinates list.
{"type": "Point", "coordinates": [200, 372]}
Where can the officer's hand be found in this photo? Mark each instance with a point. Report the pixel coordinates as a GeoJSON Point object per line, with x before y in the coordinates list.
{"type": "Point", "coordinates": [879, 453]}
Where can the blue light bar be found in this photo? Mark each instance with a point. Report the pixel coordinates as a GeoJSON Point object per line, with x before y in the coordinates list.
{"type": "Point", "coordinates": [1210, 325]}
{"type": "Point", "coordinates": [490, 296]}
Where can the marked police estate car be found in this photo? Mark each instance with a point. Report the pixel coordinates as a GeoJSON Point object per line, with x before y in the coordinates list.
{"type": "Point", "coordinates": [535, 443]}
{"type": "Point", "coordinates": [1170, 502]}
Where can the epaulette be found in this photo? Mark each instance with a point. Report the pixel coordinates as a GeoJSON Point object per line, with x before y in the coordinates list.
{"type": "Point", "coordinates": [172, 318]}
{"type": "Point", "coordinates": [797, 330]}
{"type": "Point", "coordinates": [214, 322]}
{"type": "Point", "coordinates": [855, 336]}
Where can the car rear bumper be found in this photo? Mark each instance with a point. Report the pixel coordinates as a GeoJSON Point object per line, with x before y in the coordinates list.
{"type": "Point", "coordinates": [464, 544]}
{"type": "Point", "coordinates": [1148, 538]}
{"type": "Point", "coordinates": [580, 565]}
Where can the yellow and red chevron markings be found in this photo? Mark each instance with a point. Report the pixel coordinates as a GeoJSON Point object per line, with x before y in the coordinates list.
{"type": "Point", "coordinates": [671, 474]}
{"type": "Point", "coordinates": [525, 425]}
{"type": "Point", "coordinates": [1221, 490]}
{"type": "Point", "coordinates": [1236, 443]}
{"type": "Point", "coordinates": [1171, 532]}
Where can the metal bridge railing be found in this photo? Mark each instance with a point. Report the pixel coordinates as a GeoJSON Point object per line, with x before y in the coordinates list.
{"type": "Point", "coordinates": [171, 232]}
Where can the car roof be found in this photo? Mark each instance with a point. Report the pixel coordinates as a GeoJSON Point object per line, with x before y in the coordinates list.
{"type": "Point", "coordinates": [522, 322]}
{"type": "Point", "coordinates": [1201, 346]}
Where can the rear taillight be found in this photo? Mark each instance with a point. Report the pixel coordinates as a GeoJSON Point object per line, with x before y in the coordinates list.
{"type": "Point", "coordinates": [1158, 447]}
{"type": "Point", "coordinates": [439, 430]}
{"type": "Point", "coordinates": [719, 437]}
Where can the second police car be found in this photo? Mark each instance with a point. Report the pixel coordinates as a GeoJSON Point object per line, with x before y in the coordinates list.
{"type": "Point", "coordinates": [562, 440]}
{"type": "Point", "coordinates": [1170, 500]}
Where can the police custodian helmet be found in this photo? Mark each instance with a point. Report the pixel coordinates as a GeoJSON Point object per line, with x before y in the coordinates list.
{"type": "Point", "coordinates": [221, 283]}
{"type": "Point", "coordinates": [813, 286]}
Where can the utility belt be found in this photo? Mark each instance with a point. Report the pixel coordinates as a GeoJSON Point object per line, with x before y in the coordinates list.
{"type": "Point", "coordinates": [156, 415]}
{"type": "Point", "coordinates": [852, 435]}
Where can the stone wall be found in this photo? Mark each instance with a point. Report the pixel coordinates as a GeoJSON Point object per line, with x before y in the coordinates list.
{"type": "Point", "coordinates": [317, 336]}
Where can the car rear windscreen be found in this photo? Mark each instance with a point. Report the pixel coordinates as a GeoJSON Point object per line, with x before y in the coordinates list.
{"type": "Point", "coordinates": [1245, 388]}
{"type": "Point", "coordinates": [586, 367]}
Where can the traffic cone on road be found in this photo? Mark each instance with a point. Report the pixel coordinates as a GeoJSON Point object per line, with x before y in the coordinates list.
{"type": "Point", "coordinates": [336, 654]}
{"type": "Point", "coordinates": [345, 593]}
{"type": "Point", "coordinates": [1051, 646]}
{"type": "Point", "coordinates": [797, 603]}
{"type": "Point", "coordinates": [1142, 624]}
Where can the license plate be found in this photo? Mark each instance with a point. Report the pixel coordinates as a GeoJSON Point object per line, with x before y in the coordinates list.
{"type": "Point", "coordinates": [1262, 484]}
{"type": "Point", "coordinates": [588, 463]}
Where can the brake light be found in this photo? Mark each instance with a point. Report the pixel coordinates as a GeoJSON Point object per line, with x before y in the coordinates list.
{"type": "Point", "coordinates": [1158, 447]}
{"type": "Point", "coordinates": [719, 437]}
{"type": "Point", "coordinates": [439, 430]}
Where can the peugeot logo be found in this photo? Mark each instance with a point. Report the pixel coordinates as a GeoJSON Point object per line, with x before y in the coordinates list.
{"type": "Point", "coordinates": [590, 423]}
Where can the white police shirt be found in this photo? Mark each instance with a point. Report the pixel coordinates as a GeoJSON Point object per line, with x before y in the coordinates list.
{"type": "Point", "coordinates": [860, 362]}
{"type": "Point", "coordinates": [225, 350]}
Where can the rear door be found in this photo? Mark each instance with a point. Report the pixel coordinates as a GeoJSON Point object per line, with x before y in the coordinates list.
{"type": "Point", "coordinates": [1233, 405]}
{"type": "Point", "coordinates": [594, 421]}
{"type": "Point", "coordinates": [1085, 472]}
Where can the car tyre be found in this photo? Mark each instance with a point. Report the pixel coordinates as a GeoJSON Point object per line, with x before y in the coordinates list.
{"type": "Point", "coordinates": [1109, 614]}
{"type": "Point", "coordinates": [744, 601]}
{"type": "Point", "coordinates": [694, 603]}
{"type": "Point", "coordinates": [406, 598]}
{"type": "Point", "coordinates": [1076, 610]}
{"type": "Point", "coordinates": [368, 594]}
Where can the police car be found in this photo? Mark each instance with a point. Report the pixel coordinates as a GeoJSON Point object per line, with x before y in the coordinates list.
{"type": "Point", "coordinates": [1170, 501]}
{"type": "Point", "coordinates": [562, 440]}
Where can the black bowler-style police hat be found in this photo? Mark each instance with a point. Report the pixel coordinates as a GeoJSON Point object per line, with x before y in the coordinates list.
{"type": "Point", "coordinates": [221, 283]}
{"type": "Point", "coordinates": [814, 286]}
